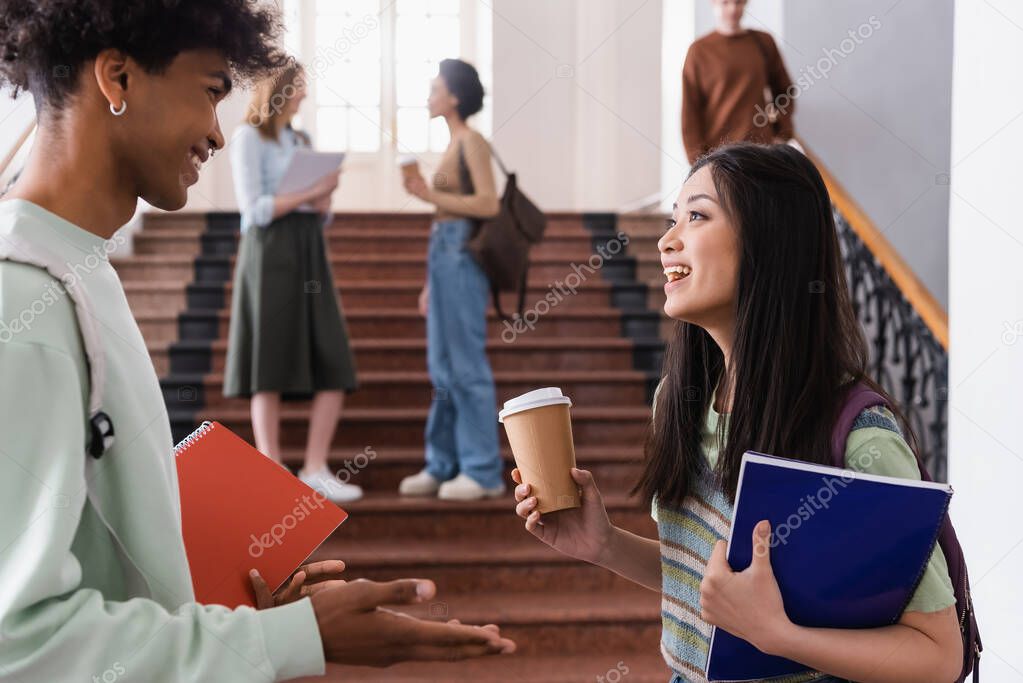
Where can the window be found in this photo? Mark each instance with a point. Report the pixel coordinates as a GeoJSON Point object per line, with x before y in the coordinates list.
{"type": "Point", "coordinates": [370, 64]}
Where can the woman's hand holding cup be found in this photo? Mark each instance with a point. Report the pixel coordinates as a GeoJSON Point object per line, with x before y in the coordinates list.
{"type": "Point", "coordinates": [581, 532]}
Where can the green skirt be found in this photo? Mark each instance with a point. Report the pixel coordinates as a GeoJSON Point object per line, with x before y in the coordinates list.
{"type": "Point", "coordinates": [288, 332]}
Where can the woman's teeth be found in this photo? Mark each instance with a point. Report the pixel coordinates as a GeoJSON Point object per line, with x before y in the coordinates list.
{"type": "Point", "coordinates": [677, 272]}
{"type": "Point", "coordinates": [196, 161]}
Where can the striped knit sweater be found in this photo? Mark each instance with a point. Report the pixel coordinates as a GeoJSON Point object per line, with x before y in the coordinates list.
{"type": "Point", "coordinates": [688, 535]}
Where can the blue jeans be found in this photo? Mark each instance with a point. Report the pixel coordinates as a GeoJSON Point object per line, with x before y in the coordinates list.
{"type": "Point", "coordinates": [461, 430]}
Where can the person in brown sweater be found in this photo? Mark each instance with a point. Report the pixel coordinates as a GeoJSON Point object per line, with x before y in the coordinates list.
{"type": "Point", "coordinates": [734, 86]}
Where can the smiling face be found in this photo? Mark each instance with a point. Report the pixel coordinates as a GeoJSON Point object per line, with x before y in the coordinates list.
{"type": "Point", "coordinates": [170, 125]}
{"type": "Point", "coordinates": [700, 253]}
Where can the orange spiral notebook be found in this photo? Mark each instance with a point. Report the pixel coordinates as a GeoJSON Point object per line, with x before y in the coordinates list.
{"type": "Point", "coordinates": [240, 511]}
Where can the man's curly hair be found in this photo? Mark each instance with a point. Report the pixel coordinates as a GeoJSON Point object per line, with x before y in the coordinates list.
{"type": "Point", "coordinates": [44, 43]}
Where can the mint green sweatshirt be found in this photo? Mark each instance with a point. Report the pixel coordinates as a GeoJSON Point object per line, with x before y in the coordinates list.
{"type": "Point", "coordinates": [94, 582]}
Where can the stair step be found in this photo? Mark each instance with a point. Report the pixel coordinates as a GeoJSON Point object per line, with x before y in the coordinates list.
{"type": "Point", "coordinates": [145, 297]}
{"type": "Point", "coordinates": [576, 245]}
{"type": "Point", "coordinates": [519, 562]}
{"type": "Point", "coordinates": [382, 469]}
{"type": "Point", "coordinates": [558, 322]}
{"type": "Point", "coordinates": [538, 353]}
{"type": "Point", "coordinates": [229, 221]}
{"type": "Point", "coordinates": [414, 389]}
{"type": "Point", "coordinates": [612, 664]}
{"type": "Point", "coordinates": [384, 515]}
{"type": "Point", "coordinates": [544, 269]}
{"type": "Point", "coordinates": [362, 427]}
{"type": "Point", "coordinates": [640, 226]}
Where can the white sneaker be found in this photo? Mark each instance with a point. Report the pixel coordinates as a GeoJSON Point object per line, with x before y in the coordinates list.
{"type": "Point", "coordinates": [329, 487]}
{"type": "Point", "coordinates": [464, 487]}
{"type": "Point", "coordinates": [420, 484]}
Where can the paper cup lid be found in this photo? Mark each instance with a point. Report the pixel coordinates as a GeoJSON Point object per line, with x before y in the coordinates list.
{"type": "Point", "coordinates": [407, 159]}
{"type": "Point", "coordinates": [538, 398]}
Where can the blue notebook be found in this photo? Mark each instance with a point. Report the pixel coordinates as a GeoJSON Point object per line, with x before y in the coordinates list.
{"type": "Point", "coordinates": [848, 550]}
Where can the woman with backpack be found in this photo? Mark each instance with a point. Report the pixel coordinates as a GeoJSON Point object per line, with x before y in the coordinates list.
{"type": "Point", "coordinates": [463, 457]}
{"type": "Point", "coordinates": [768, 344]}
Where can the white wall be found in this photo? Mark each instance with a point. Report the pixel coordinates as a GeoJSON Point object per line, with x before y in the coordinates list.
{"type": "Point", "coordinates": [986, 296]}
{"type": "Point", "coordinates": [576, 110]}
{"type": "Point", "coordinates": [577, 99]}
{"type": "Point", "coordinates": [881, 118]}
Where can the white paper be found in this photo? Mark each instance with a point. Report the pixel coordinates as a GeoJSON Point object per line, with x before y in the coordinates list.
{"type": "Point", "coordinates": [306, 168]}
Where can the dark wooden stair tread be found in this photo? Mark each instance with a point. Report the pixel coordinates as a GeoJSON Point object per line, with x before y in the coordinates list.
{"type": "Point", "coordinates": [579, 413]}
{"type": "Point", "coordinates": [522, 344]}
{"type": "Point", "coordinates": [551, 377]}
{"type": "Point", "coordinates": [360, 554]}
{"type": "Point", "coordinates": [579, 313]}
{"type": "Point", "coordinates": [641, 667]}
{"type": "Point", "coordinates": [585, 454]}
{"type": "Point", "coordinates": [388, 501]}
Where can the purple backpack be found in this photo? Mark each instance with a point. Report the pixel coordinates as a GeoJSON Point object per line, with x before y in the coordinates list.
{"type": "Point", "coordinates": [859, 398]}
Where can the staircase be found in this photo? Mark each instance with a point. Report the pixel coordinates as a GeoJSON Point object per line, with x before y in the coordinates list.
{"type": "Point", "coordinates": [601, 345]}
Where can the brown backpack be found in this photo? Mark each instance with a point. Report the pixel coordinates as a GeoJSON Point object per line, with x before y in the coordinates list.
{"type": "Point", "coordinates": [501, 244]}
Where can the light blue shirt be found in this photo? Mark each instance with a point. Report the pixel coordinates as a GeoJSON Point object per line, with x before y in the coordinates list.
{"type": "Point", "coordinates": [258, 165]}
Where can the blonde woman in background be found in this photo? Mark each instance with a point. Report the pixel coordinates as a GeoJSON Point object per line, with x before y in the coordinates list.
{"type": "Point", "coordinates": [288, 338]}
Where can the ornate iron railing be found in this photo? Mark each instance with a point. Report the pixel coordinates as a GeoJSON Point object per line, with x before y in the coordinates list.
{"type": "Point", "coordinates": [906, 358]}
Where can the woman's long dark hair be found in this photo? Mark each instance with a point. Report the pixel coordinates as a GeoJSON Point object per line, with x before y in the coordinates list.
{"type": "Point", "coordinates": [798, 346]}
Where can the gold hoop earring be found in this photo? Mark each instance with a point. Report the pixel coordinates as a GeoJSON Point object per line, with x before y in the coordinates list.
{"type": "Point", "coordinates": [118, 112]}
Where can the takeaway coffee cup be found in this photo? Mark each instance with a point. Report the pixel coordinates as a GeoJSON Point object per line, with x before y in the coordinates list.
{"type": "Point", "coordinates": [539, 430]}
{"type": "Point", "coordinates": [409, 166]}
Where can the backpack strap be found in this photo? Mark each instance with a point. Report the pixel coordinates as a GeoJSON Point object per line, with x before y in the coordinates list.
{"type": "Point", "coordinates": [857, 399]}
{"type": "Point", "coordinates": [101, 427]}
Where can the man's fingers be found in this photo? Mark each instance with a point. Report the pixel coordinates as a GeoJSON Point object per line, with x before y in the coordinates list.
{"type": "Point", "coordinates": [370, 594]}
{"type": "Point", "coordinates": [264, 598]}
{"type": "Point", "coordinates": [459, 652]}
{"type": "Point", "coordinates": [435, 634]}
{"type": "Point", "coordinates": [322, 571]}
{"type": "Point", "coordinates": [314, 588]}
{"type": "Point", "coordinates": [293, 590]}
